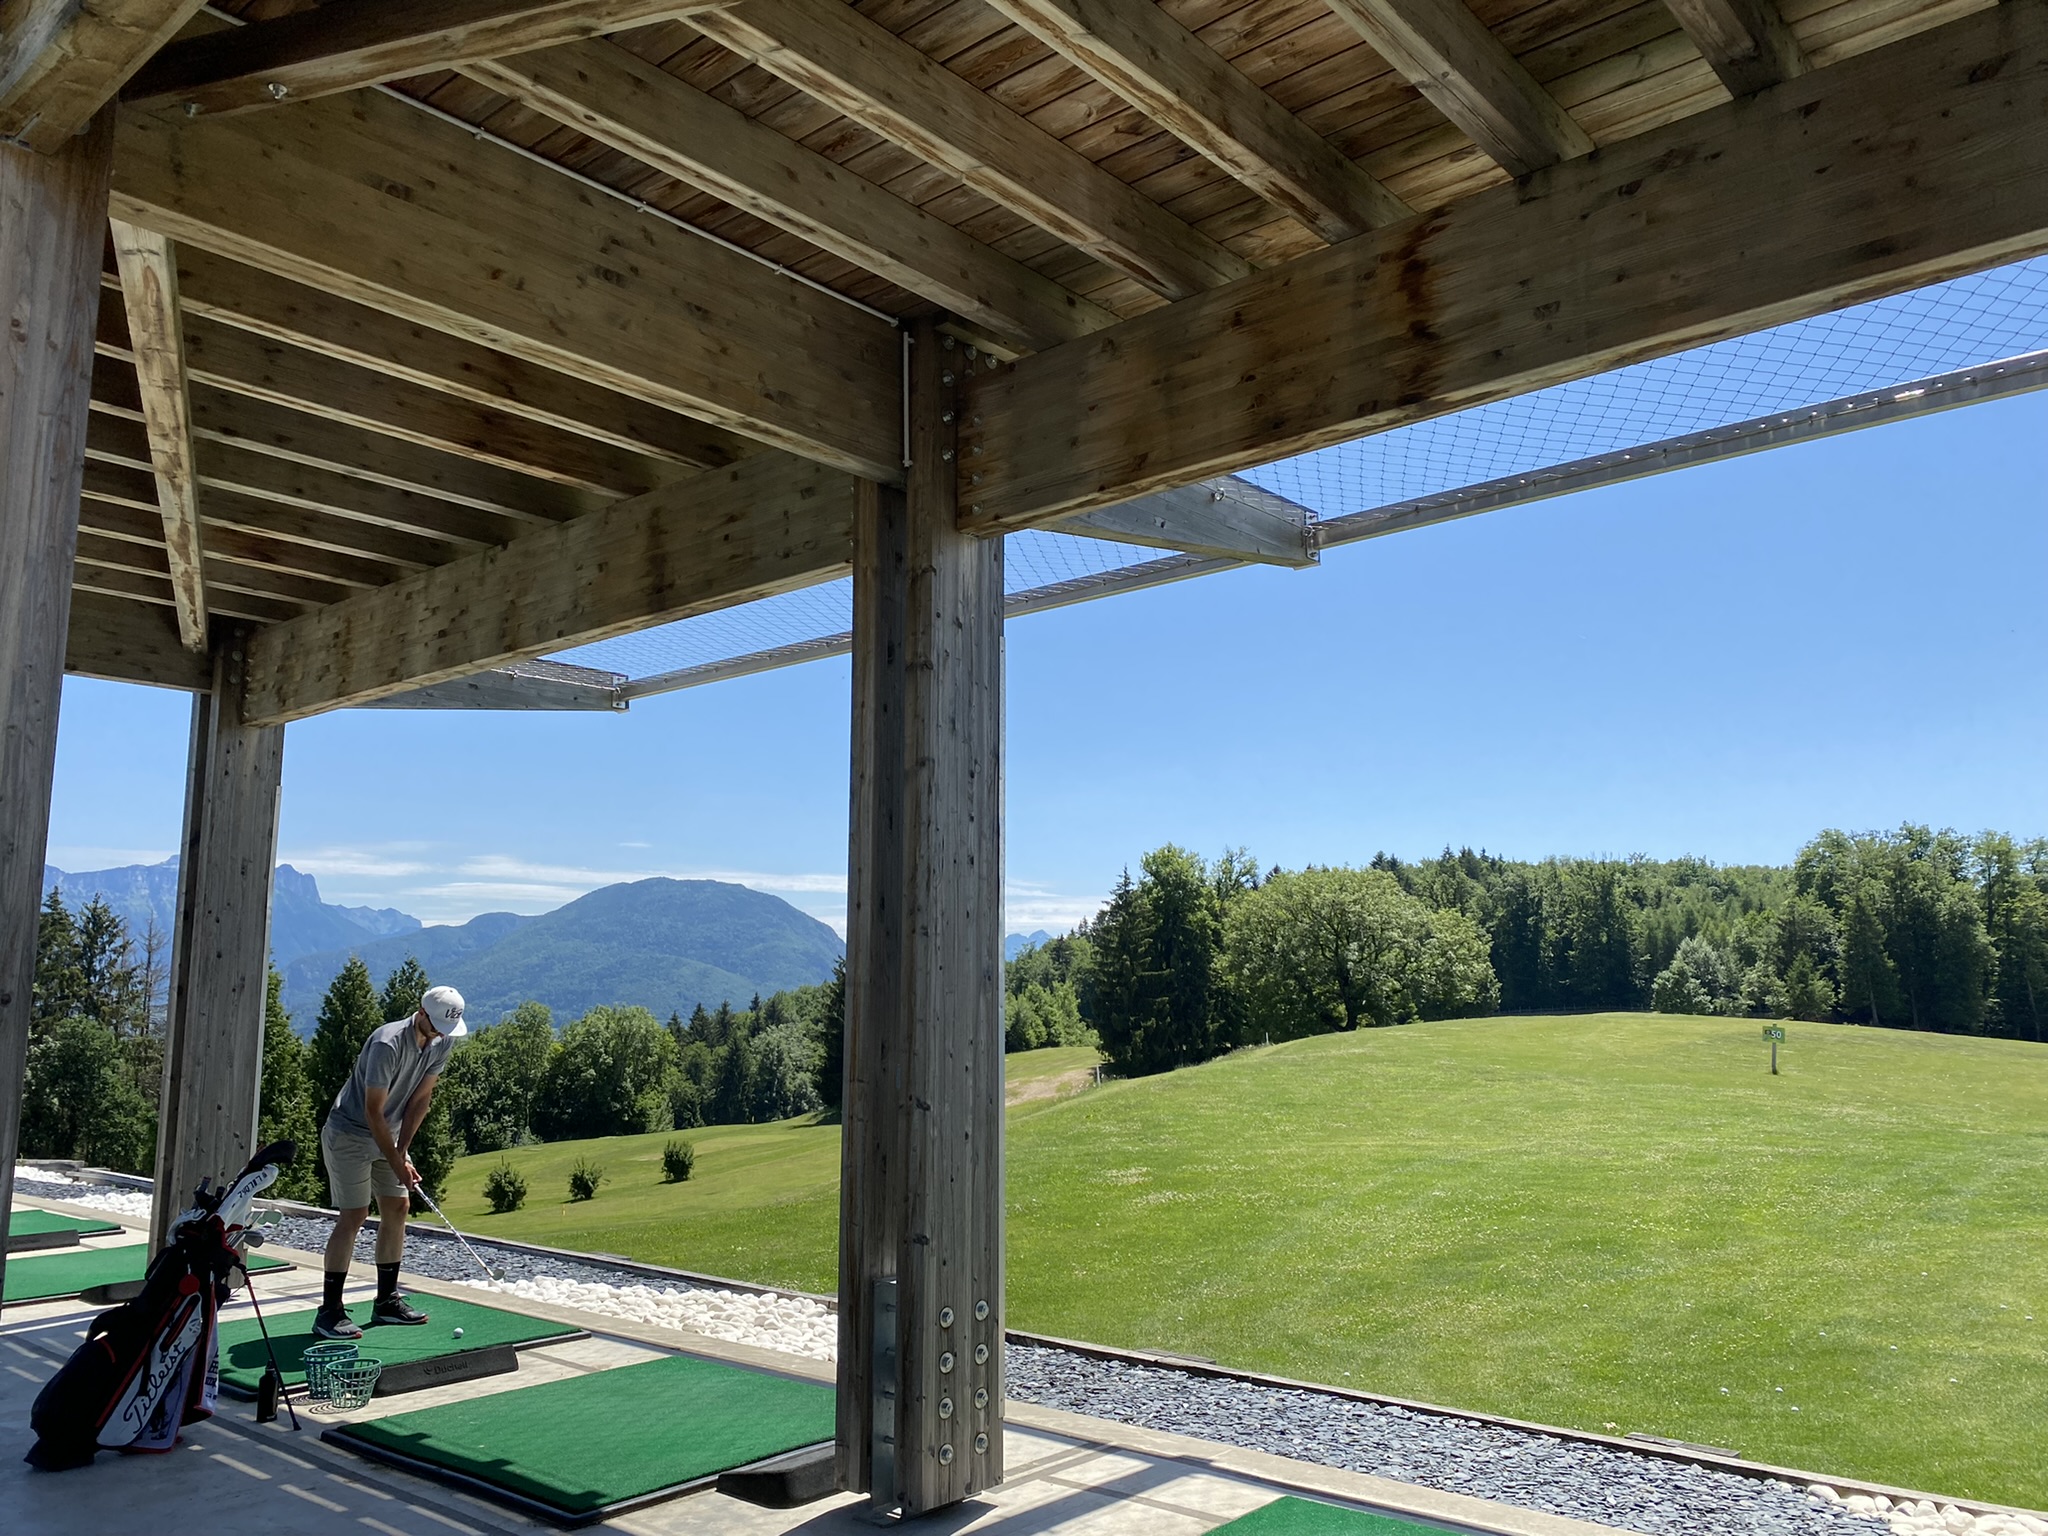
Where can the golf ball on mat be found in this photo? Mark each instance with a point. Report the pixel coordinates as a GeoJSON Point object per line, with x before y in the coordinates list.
{"type": "Point", "coordinates": [458, 1333]}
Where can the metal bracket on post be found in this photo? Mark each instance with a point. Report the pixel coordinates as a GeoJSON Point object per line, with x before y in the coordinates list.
{"type": "Point", "coordinates": [882, 1373]}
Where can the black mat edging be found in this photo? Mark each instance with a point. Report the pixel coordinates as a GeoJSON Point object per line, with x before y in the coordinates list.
{"type": "Point", "coordinates": [42, 1242]}
{"type": "Point", "coordinates": [339, 1436]}
{"type": "Point", "coordinates": [296, 1390]}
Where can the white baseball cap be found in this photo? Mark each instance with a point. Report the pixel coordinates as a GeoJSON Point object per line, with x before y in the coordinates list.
{"type": "Point", "coordinates": [443, 1007]}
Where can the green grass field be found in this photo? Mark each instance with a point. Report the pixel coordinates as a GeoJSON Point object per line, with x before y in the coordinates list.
{"type": "Point", "coordinates": [1609, 1221]}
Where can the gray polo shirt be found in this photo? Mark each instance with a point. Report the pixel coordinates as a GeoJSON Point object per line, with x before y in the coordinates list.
{"type": "Point", "coordinates": [394, 1060]}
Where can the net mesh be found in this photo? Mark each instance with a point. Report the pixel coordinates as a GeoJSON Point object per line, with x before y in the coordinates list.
{"type": "Point", "coordinates": [1969, 321]}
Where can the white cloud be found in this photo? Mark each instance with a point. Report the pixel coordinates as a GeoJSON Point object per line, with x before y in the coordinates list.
{"type": "Point", "coordinates": [1028, 907]}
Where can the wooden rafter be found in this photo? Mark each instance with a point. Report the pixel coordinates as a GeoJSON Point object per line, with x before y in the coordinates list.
{"type": "Point", "coordinates": [769, 524]}
{"type": "Point", "coordinates": [621, 100]}
{"type": "Point", "coordinates": [346, 44]}
{"type": "Point", "coordinates": [130, 642]}
{"type": "Point", "coordinates": [860, 68]}
{"type": "Point", "coordinates": [1468, 75]}
{"type": "Point", "coordinates": [303, 317]}
{"type": "Point", "coordinates": [233, 546]}
{"type": "Point", "coordinates": [1746, 41]}
{"type": "Point", "coordinates": [248, 365]}
{"type": "Point", "coordinates": [119, 577]}
{"type": "Point", "coordinates": [1160, 67]}
{"type": "Point", "coordinates": [61, 61]}
{"type": "Point", "coordinates": [149, 283]}
{"type": "Point", "coordinates": [364, 198]}
{"type": "Point", "coordinates": [1902, 167]}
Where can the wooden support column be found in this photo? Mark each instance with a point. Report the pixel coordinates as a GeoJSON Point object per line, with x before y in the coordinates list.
{"type": "Point", "coordinates": [921, 1201]}
{"type": "Point", "coordinates": [220, 944]}
{"type": "Point", "coordinates": [53, 221]}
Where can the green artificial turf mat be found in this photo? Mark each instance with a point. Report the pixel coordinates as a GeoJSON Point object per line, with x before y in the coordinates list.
{"type": "Point", "coordinates": [45, 1277]}
{"type": "Point", "coordinates": [1306, 1517]}
{"type": "Point", "coordinates": [35, 1223]}
{"type": "Point", "coordinates": [242, 1357]}
{"type": "Point", "coordinates": [585, 1443]}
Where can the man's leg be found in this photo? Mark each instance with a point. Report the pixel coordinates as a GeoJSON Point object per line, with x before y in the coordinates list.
{"type": "Point", "coordinates": [392, 1307]}
{"type": "Point", "coordinates": [332, 1321]}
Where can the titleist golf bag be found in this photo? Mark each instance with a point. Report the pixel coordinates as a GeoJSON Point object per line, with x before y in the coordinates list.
{"type": "Point", "coordinates": [148, 1367]}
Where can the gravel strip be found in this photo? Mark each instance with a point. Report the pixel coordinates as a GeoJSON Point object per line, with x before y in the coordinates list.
{"type": "Point", "coordinates": [1521, 1467]}
{"type": "Point", "coordinates": [1535, 1471]}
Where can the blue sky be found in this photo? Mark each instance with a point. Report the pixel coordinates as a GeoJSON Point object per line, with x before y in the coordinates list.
{"type": "Point", "coordinates": [1720, 662]}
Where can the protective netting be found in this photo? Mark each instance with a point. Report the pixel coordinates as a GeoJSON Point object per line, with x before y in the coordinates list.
{"type": "Point", "coordinates": [1964, 323]}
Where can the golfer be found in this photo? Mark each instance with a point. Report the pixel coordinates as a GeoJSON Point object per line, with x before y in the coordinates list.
{"type": "Point", "coordinates": [365, 1140]}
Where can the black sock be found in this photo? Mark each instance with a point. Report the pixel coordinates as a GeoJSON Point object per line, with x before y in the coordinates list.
{"type": "Point", "coordinates": [387, 1280]}
{"type": "Point", "coordinates": [330, 1297]}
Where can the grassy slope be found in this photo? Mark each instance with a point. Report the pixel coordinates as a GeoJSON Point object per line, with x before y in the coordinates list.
{"type": "Point", "coordinates": [1591, 1221]}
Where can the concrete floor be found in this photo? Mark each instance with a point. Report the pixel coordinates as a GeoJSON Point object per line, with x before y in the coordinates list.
{"type": "Point", "coordinates": [1067, 1473]}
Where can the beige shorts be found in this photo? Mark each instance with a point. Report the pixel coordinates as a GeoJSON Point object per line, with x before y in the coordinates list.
{"type": "Point", "coordinates": [356, 1170]}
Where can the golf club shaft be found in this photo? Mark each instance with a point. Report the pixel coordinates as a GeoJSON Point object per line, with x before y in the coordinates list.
{"type": "Point", "coordinates": [269, 1348]}
{"type": "Point", "coordinates": [489, 1273]}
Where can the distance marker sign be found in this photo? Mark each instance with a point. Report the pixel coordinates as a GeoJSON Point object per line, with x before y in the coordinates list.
{"type": "Point", "coordinates": [1774, 1033]}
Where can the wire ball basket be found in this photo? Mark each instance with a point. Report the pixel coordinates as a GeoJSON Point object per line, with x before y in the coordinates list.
{"type": "Point", "coordinates": [350, 1385]}
{"type": "Point", "coordinates": [319, 1360]}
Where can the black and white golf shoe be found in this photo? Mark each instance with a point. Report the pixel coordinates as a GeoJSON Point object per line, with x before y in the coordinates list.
{"type": "Point", "coordinates": [334, 1323]}
{"type": "Point", "coordinates": [395, 1310]}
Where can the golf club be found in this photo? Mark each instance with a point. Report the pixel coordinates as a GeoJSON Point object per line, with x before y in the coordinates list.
{"type": "Point", "coordinates": [276, 1375]}
{"type": "Point", "coordinates": [497, 1275]}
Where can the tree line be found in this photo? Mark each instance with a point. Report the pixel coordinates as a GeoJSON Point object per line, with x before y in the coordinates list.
{"type": "Point", "coordinates": [616, 1071]}
{"type": "Point", "coordinates": [1913, 929]}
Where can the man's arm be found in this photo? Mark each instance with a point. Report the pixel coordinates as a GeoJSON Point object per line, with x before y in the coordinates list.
{"type": "Point", "coordinates": [416, 1109]}
{"type": "Point", "coordinates": [392, 1148]}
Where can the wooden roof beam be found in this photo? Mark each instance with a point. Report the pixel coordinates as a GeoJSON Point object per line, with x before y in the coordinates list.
{"type": "Point", "coordinates": [366, 199]}
{"type": "Point", "coordinates": [1746, 41]}
{"type": "Point", "coordinates": [149, 282]}
{"type": "Point", "coordinates": [860, 68]}
{"type": "Point", "coordinates": [770, 524]}
{"type": "Point", "coordinates": [239, 547]}
{"type": "Point", "coordinates": [123, 641]}
{"type": "Point", "coordinates": [114, 573]}
{"type": "Point", "coordinates": [640, 110]}
{"type": "Point", "coordinates": [1908, 165]}
{"type": "Point", "coordinates": [346, 44]}
{"type": "Point", "coordinates": [1467, 74]}
{"type": "Point", "coordinates": [280, 310]}
{"type": "Point", "coordinates": [229, 360]}
{"type": "Point", "coordinates": [61, 61]}
{"type": "Point", "coordinates": [1184, 85]}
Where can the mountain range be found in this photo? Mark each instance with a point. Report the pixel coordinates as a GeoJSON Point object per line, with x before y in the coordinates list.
{"type": "Point", "coordinates": [300, 922]}
{"type": "Point", "coordinates": [665, 944]}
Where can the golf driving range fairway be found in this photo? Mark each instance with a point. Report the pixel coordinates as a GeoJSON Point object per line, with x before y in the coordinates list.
{"type": "Point", "coordinates": [1613, 1222]}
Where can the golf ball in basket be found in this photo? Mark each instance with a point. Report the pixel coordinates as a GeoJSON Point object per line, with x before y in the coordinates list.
{"type": "Point", "coordinates": [458, 1333]}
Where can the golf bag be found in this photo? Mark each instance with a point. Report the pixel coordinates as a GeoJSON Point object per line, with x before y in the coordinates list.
{"type": "Point", "coordinates": [148, 1367]}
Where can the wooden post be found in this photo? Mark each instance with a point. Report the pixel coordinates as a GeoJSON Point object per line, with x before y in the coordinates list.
{"type": "Point", "coordinates": [220, 945]}
{"type": "Point", "coordinates": [53, 222]}
{"type": "Point", "coordinates": [921, 1197]}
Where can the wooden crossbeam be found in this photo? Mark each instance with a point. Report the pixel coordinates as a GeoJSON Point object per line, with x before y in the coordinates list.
{"type": "Point", "coordinates": [1163, 69]}
{"type": "Point", "coordinates": [120, 579]}
{"type": "Point", "coordinates": [345, 44]}
{"type": "Point", "coordinates": [769, 524]}
{"type": "Point", "coordinates": [364, 198]}
{"type": "Point", "coordinates": [1904, 166]}
{"type": "Point", "coordinates": [239, 362]}
{"type": "Point", "coordinates": [1468, 74]}
{"type": "Point", "coordinates": [860, 68]}
{"type": "Point", "coordinates": [1228, 516]}
{"type": "Point", "coordinates": [123, 641]}
{"type": "Point", "coordinates": [1746, 41]}
{"type": "Point", "coordinates": [149, 282]}
{"type": "Point", "coordinates": [233, 546]}
{"type": "Point", "coordinates": [638, 109]}
{"type": "Point", "coordinates": [283, 311]}
{"type": "Point", "coordinates": [61, 61]}
{"type": "Point", "coordinates": [123, 554]}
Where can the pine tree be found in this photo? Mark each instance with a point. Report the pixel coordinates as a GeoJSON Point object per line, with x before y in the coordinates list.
{"type": "Point", "coordinates": [58, 979]}
{"type": "Point", "coordinates": [286, 1101]}
{"type": "Point", "coordinates": [832, 1036]}
{"type": "Point", "coordinates": [348, 1014]}
{"type": "Point", "coordinates": [403, 990]}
